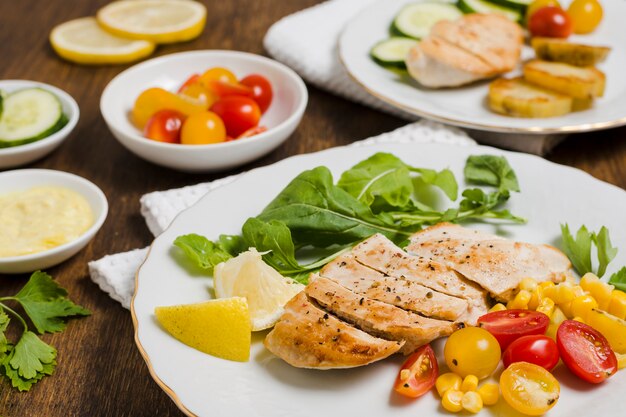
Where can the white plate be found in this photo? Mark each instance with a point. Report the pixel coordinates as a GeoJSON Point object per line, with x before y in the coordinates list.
{"type": "Point", "coordinates": [466, 106]}
{"type": "Point", "coordinates": [266, 386]}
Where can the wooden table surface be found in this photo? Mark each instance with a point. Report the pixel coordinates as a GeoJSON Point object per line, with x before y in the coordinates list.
{"type": "Point", "coordinates": [100, 371]}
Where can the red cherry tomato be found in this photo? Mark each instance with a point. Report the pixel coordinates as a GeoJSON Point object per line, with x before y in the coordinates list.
{"type": "Point", "coordinates": [164, 126]}
{"type": "Point", "coordinates": [508, 325]}
{"type": "Point", "coordinates": [585, 351]}
{"type": "Point", "coordinates": [223, 89]}
{"type": "Point", "coordinates": [551, 22]}
{"type": "Point", "coordinates": [194, 79]}
{"type": "Point", "coordinates": [418, 374]}
{"type": "Point", "coordinates": [238, 113]}
{"type": "Point", "coordinates": [537, 349]}
{"type": "Point", "coordinates": [262, 90]}
{"type": "Point", "coordinates": [252, 132]}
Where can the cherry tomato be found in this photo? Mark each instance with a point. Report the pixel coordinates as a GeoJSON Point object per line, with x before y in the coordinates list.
{"type": "Point", "coordinates": [194, 79]}
{"type": "Point", "coordinates": [164, 126]}
{"type": "Point", "coordinates": [238, 113]}
{"type": "Point", "coordinates": [252, 132]}
{"type": "Point", "coordinates": [223, 89]}
{"type": "Point", "coordinates": [529, 388]}
{"type": "Point", "coordinates": [218, 74]}
{"type": "Point", "coordinates": [262, 90]}
{"type": "Point", "coordinates": [537, 349]}
{"type": "Point", "coordinates": [586, 15]}
{"type": "Point", "coordinates": [472, 351]}
{"type": "Point", "coordinates": [203, 128]}
{"type": "Point", "coordinates": [418, 374]}
{"type": "Point", "coordinates": [508, 325]}
{"type": "Point", "coordinates": [154, 99]}
{"type": "Point", "coordinates": [585, 351]}
{"type": "Point", "coordinates": [551, 22]}
{"type": "Point", "coordinates": [199, 93]}
{"type": "Point", "coordinates": [538, 4]}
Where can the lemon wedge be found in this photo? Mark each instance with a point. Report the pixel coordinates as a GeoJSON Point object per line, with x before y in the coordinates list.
{"type": "Point", "coordinates": [159, 21]}
{"type": "Point", "coordinates": [266, 290]}
{"type": "Point", "coordinates": [83, 41]}
{"type": "Point", "coordinates": [218, 327]}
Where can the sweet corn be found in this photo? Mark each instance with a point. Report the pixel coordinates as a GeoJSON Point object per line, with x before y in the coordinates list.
{"type": "Point", "coordinates": [528, 284]}
{"type": "Point", "coordinates": [520, 301]}
{"type": "Point", "coordinates": [578, 318]}
{"type": "Point", "coordinates": [546, 284]}
{"type": "Point", "coordinates": [447, 381]}
{"type": "Point", "coordinates": [489, 393]}
{"type": "Point", "coordinates": [599, 290]}
{"type": "Point", "coordinates": [567, 309]}
{"type": "Point", "coordinates": [560, 294]}
{"type": "Point", "coordinates": [582, 306]}
{"type": "Point", "coordinates": [535, 298]}
{"type": "Point", "coordinates": [451, 400]}
{"type": "Point", "coordinates": [497, 307]}
{"type": "Point", "coordinates": [617, 305]}
{"type": "Point", "coordinates": [546, 307]}
{"type": "Point", "coordinates": [470, 383]}
{"type": "Point", "coordinates": [472, 402]}
{"type": "Point", "coordinates": [621, 360]}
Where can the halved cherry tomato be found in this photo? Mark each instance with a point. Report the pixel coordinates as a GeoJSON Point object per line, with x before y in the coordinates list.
{"type": "Point", "coordinates": [262, 90]}
{"type": "Point", "coordinates": [586, 14]}
{"type": "Point", "coordinates": [508, 325]}
{"type": "Point", "coordinates": [538, 4]}
{"type": "Point", "coordinates": [418, 374]}
{"type": "Point", "coordinates": [203, 128]}
{"type": "Point", "coordinates": [551, 22]}
{"type": "Point", "coordinates": [537, 349]}
{"type": "Point", "coordinates": [238, 113]}
{"type": "Point", "coordinates": [223, 89]}
{"type": "Point", "coordinates": [164, 126]}
{"type": "Point", "coordinates": [252, 132]}
{"type": "Point", "coordinates": [199, 92]}
{"type": "Point", "coordinates": [218, 74]}
{"type": "Point", "coordinates": [194, 79]}
{"type": "Point", "coordinates": [529, 388]}
{"type": "Point", "coordinates": [585, 351]}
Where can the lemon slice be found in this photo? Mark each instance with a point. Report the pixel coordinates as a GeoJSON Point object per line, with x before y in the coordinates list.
{"type": "Point", "coordinates": [218, 327]}
{"type": "Point", "coordinates": [83, 41]}
{"type": "Point", "coordinates": [266, 290]}
{"type": "Point", "coordinates": [160, 21]}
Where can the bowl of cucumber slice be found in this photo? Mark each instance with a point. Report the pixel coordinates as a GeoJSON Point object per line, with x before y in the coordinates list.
{"type": "Point", "coordinates": [35, 118]}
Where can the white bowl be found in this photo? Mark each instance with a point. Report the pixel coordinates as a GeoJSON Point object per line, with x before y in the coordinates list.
{"type": "Point", "coordinates": [24, 179]}
{"type": "Point", "coordinates": [24, 154]}
{"type": "Point", "coordinates": [169, 72]}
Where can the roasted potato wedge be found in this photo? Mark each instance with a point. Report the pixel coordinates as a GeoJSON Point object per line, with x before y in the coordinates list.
{"type": "Point", "coordinates": [558, 50]}
{"type": "Point", "coordinates": [516, 97]}
{"type": "Point", "coordinates": [578, 82]}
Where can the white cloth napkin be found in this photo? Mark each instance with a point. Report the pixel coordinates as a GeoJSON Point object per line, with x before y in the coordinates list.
{"type": "Point", "coordinates": [115, 274]}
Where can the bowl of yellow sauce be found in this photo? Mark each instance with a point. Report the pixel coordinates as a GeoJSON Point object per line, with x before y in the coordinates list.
{"type": "Point", "coordinates": [46, 217]}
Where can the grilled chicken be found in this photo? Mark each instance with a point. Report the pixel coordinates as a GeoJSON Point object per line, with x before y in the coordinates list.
{"type": "Point", "coordinates": [474, 47]}
{"type": "Point", "coordinates": [497, 265]}
{"type": "Point", "coordinates": [308, 337]}
{"type": "Point", "coordinates": [378, 318]}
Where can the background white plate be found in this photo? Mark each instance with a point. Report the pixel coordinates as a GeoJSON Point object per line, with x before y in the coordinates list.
{"type": "Point", "coordinates": [266, 386]}
{"type": "Point", "coordinates": [466, 106]}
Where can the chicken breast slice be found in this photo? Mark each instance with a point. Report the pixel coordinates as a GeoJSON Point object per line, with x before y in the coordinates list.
{"type": "Point", "coordinates": [378, 318]}
{"type": "Point", "coordinates": [401, 292]}
{"type": "Point", "coordinates": [308, 337]}
{"type": "Point", "coordinates": [497, 265]}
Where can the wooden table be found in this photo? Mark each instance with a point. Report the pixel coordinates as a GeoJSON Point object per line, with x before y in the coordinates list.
{"type": "Point", "coordinates": [100, 371]}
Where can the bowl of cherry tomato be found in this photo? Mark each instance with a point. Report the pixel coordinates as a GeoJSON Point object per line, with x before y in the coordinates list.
{"type": "Point", "coordinates": [204, 111]}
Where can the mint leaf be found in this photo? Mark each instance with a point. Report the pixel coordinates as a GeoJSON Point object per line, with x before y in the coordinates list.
{"type": "Point", "coordinates": [46, 303]}
{"type": "Point", "coordinates": [578, 249]}
{"type": "Point", "coordinates": [30, 354]}
{"type": "Point", "coordinates": [203, 252]}
{"type": "Point", "coordinates": [606, 252]}
{"type": "Point", "coordinates": [619, 279]}
{"type": "Point", "coordinates": [491, 170]}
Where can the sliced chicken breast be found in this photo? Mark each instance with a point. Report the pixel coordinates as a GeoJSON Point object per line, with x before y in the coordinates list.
{"type": "Point", "coordinates": [378, 318]}
{"type": "Point", "coordinates": [308, 337]}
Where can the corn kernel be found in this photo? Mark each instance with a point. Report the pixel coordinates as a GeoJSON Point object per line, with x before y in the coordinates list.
{"type": "Point", "coordinates": [546, 307]}
{"type": "Point", "coordinates": [520, 301]}
{"type": "Point", "coordinates": [566, 308]}
{"type": "Point", "coordinates": [528, 284]}
{"type": "Point", "coordinates": [447, 381]}
{"type": "Point", "coordinates": [579, 319]}
{"type": "Point", "coordinates": [582, 306]}
{"type": "Point", "coordinates": [451, 400]}
{"type": "Point", "coordinates": [578, 291]}
{"type": "Point", "coordinates": [472, 402]}
{"type": "Point", "coordinates": [621, 360]}
{"type": "Point", "coordinates": [617, 305]}
{"type": "Point", "coordinates": [535, 299]}
{"type": "Point", "coordinates": [497, 307]}
{"type": "Point", "coordinates": [552, 329]}
{"type": "Point", "coordinates": [470, 383]}
{"type": "Point", "coordinates": [489, 393]}
{"type": "Point", "coordinates": [557, 316]}
{"type": "Point", "coordinates": [599, 290]}
{"type": "Point", "coordinates": [546, 284]}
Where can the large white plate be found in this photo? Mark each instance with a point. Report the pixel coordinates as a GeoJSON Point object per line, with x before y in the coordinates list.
{"type": "Point", "coordinates": [266, 386]}
{"type": "Point", "coordinates": [465, 106]}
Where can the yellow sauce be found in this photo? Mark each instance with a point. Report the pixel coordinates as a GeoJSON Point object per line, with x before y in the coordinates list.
{"type": "Point", "coordinates": [41, 218]}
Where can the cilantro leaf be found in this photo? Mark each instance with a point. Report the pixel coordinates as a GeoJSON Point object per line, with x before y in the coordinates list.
{"type": "Point", "coordinates": [46, 303]}
{"type": "Point", "coordinates": [30, 354]}
{"type": "Point", "coordinates": [203, 252]}
{"type": "Point", "coordinates": [491, 170]}
{"type": "Point", "coordinates": [578, 249]}
{"type": "Point", "coordinates": [619, 279]}
{"type": "Point", "coordinates": [20, 382]}
{"type": "Point", "coordinates": [4, 343]}
{"type": "Point", "coordinates": [606, 252]}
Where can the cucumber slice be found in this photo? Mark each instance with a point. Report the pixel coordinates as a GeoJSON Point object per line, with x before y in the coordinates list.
{"type": "Point", "coordinates": [520, 5]}
{"type": "Point", "coordinates": [415, 20]}
{"type": "Point", "coordinates": [29, 115]}
{"type": "Point", "coordinates": [483, 6]}
{"type": "Point", "coordinates": [392, 52]}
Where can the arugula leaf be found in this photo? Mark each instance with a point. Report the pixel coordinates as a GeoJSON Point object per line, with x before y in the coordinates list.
{"type": "Point", "coordinates": [491, 170]}
{"type": "Point", "coordinates": [274, 237]}
{"type": "Point", "coordinates": [205, 253]}
{"type": "Point", "coordinates": [46, 303]}
{"type": "Point", "coordinates": [606, 252]}
{"type": "Point", "coordinates": [619, 279]}
{"type": "Point", "coordinates": [30, 354]}
{"type": "Point", "coordinates": [443, 179]}
{"type": "Point", "coordinates": [578, 250]}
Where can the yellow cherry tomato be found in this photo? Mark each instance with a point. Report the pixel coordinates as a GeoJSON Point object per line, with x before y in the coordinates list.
{"type": "Point", "coordinates": [472, 351]}
{"type": "Point", "coordinates": [538, 4]}
{"type": "Point", "coordinates": [152, 100]}
{"type": "Point", "coordinates": [218, 74]}
{"type": "Point", "coordinates": [200, 93]}
{"type": "Point", "coordinates": [586, 15]}
{"type": "Point", "coordinates": [202, 129]}
{"type": "Point", "coordinates": [529, 388]}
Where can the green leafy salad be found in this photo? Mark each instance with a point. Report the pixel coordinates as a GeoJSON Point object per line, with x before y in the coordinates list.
{"type": "Point", "coordinates": [381, 194]}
